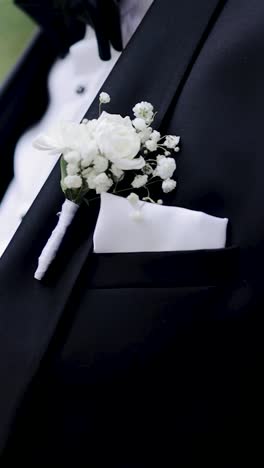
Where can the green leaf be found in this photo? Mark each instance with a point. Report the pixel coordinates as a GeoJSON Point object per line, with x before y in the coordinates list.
{"type": "Point", "coordinates": [63, 166]}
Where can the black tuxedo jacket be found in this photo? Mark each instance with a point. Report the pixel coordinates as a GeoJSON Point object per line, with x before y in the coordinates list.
{"type": "Point", "coordinates": [151, 359]}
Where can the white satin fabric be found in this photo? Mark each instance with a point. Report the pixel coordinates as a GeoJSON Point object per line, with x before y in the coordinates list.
{"type": "Point", "coordinates": [158, 229]}
{"type": "Point", "coordinates": [81, 67]}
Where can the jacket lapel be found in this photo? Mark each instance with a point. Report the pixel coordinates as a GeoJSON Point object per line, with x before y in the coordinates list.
{"type": "Point", "coordinates": [153, 68]}
{"type": "Point", "coordinates": [160, 55]}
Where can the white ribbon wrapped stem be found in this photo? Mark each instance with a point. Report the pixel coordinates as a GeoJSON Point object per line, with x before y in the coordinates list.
{"type": "Point", "coordinates": [67, 214]}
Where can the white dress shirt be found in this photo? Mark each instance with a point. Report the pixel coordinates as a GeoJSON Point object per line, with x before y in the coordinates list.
{"type": "Point", "coordinates": [82, 69]}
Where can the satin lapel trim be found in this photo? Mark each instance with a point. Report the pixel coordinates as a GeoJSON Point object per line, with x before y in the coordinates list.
{"type": "Point", "coordinates": [150, 69]}
{"type": "Point", "coordinates": [153, 68]}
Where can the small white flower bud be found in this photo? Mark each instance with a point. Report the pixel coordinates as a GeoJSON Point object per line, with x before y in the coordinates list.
{"type": "Point", "coordinates": [144, 110]}
{"type": "Point", "coordinates": [100, 164]}
{"type": "Point", "coordinates": [104, 98]}
{"type": "Point", "coordinates": [151, 145]}
{"type": "Point", "coordinates": [171, 141]}
{"type": "Point", "coordinates": [155, 136]}
{"type": "Point", "coordinates": [102, 183]}
{"type": "Point", "coordinates": [168, 185]}
{"type": "Point", "coordinates": [166, 168]}
{"type": "Point", "coordinates": [139, 181]}
{"type": "Point", "coordinates": [133, 198]}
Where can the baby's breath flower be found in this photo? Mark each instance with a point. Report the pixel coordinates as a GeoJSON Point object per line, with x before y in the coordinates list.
{"type": "Point", "coordinates": [155, 136]}
{"type": "Point", "coordinates": [72, 182]}
{"type": "Point", "coordinates": [168, 185]}
{"type": "Point", "coordinates": [133, 198]}
{"type": "Point", "coordinates": [90, 153]}
{"type": "Point", "coordinates": [165, 168]}
{"type": "Point", "coordinates": [72, 169]}
{"type": "Point", "coordinates": [171, 141]}
{"type": "Point", "coordinates": [90, 179]}
{"type": "Point", "coordinates": [102, 183]}
{"type": "Point", "coordinates": [151, 145]}
{"type": "Point", "coordinates": [144, 135]}
{"type": "Point", "coordinates": [104, 98]}
{"type": "Point", "coordinates": [160, 157]}
{"type": "Point", "coordinates": [100, 164]}
{"type": "Point", "coordinates": [144, 110]}
{"type": "Point", "coordinates": [139, 181]}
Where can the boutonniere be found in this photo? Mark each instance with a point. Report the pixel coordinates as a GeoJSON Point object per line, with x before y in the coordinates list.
{"type": "Point", "coordinates": [110, 154]}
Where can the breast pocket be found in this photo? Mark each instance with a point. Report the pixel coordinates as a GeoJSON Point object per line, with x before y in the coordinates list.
{"type": "Point", "coordinates": [127, 297]}
{"type": "Point", "coordinates": [164, 269]}
{"type": "Point", "coordinates": [160, 337]}
{"type": "Point", "coordinates": [130, 299]}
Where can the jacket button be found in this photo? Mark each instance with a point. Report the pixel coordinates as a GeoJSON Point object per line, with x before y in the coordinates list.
{"type": "Point", "coordinates": [80, 89]}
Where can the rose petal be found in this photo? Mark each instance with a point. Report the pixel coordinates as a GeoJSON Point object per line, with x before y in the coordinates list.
{"type": "Point", "coordinates": [129, 164]}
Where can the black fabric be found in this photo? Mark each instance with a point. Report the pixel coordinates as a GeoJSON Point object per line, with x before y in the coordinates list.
{"type": "Point", "coordinates": [151, 359]}
{"type": "Point", "coordinates": [23, 99]}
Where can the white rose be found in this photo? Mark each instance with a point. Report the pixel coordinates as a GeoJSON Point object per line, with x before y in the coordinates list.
{"type": "Point", "coordinates": [168, 185]}
{"type": "Point", "coordinates": [91, 126]}
{"type": "Point", "coordinates": [72, 182]}
{"type": "Point", "coordinates": [118, 141]}
{"type": "Point", "coordinates": [102, 183]}
{"type": "Point", "coordinates": [139, 181]}
{"type": "Point", "coordinates": [165, 168]}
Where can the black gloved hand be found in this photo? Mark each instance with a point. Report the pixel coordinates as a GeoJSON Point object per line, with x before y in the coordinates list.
{"type": "Point", "coordinates": [104, 17]}
{"type": "Point", "coordinates": [65, 21]}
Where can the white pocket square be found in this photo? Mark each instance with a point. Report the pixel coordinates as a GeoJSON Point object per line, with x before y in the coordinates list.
{"type": "Point", "coordinates": [160, 228]}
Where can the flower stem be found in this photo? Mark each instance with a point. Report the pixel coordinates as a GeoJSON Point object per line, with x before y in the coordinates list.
{"type": "Point", "coordinates": [125, 190]}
